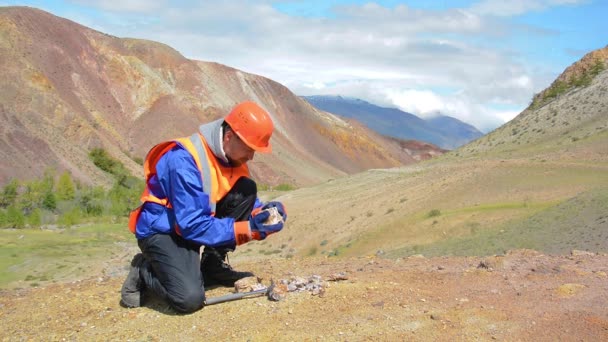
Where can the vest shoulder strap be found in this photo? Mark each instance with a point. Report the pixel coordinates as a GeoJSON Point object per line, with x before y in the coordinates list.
{"type": "Point", "coordinates": [195, 146]}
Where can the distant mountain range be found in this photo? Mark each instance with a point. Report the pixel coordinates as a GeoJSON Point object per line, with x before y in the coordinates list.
{"type": "Point", "coordinates": [443, 131]}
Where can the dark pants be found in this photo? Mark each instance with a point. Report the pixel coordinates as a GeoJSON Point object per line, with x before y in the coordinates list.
{"type": "Point", "coordinates": [172, 266]}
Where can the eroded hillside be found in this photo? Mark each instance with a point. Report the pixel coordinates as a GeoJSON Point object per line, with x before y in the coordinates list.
{"type": "Point", "coordinates": [68, 89]}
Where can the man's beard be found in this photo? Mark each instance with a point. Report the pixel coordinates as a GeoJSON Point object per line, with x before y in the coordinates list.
{"type": "Point", "coordinates": [234, 163]}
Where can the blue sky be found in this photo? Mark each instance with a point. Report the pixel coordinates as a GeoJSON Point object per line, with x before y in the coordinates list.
{"type": "Point", "coordinates": [479, 61]}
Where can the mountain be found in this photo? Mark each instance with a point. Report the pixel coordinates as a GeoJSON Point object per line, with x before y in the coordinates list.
{"type": "Point", "coordinates": [455, 132]}
{"type": "Point", "coordinates": [572, 109]}
{"type": "Point", "coordinates": [443, 131]}
{"type": "Point", "coordinates": [68, 89]}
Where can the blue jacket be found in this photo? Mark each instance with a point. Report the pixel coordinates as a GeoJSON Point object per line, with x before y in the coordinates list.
{"type": "Point", "coordinates": [178, 179]}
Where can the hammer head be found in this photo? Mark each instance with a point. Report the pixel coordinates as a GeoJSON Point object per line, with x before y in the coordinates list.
{"type": "Point", "coordinates": [276, 292]}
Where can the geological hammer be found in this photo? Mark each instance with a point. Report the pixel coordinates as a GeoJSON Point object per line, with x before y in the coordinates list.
{"type": "Point", "coordinates": [240, 295]}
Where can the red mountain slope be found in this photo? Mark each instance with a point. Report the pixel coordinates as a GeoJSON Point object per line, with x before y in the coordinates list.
{"type": "Point", "coordinates": [67, 89]}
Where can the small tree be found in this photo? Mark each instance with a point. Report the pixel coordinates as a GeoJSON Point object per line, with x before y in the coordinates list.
{"type": "Point", "coordinates": [14, 217]}
{"type": "Point", "coordinates": [49, 201]}
{"type": "Point", "coordinates": [35, 218]}
{"type": "Point", "coordinates": [70, 217]}
{"type": "Point", "coordinates": [48, 181]}
{"type": "Point", "coordinates": [9, 194]}
{"type": "Point", "coordinates": [65, 187]}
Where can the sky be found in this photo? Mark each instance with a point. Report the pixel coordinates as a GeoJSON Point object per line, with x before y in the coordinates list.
{"type": "Point", "coordinates": [478, 61]}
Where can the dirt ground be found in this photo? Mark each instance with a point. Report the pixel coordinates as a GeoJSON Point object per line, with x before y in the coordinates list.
{"type": "Point", "coordinates": [522, 296]}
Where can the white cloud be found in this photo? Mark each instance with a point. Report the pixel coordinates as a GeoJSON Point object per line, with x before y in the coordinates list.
{"type": "Point", "coordinates": [503, 8]}
{"type": "Point", "coordinates": [423, 103]}
{"type": "Point", "coordinates": [137, 6]}
{"type": "Point", "coordinates": [426, 104]}
{"type": "Point", "coordinates": [387, 56]}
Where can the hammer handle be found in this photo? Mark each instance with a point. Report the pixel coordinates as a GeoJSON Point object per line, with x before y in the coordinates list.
{"type": "Point", "coordinates": [234, 296]}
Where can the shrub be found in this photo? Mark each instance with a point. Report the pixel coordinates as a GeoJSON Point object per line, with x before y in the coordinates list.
{"type": "Point", "coordinates": [65, 187]}
{"type": "Point", "coordinates": [104, 161]}
{"type": "Point", "coordinates": [284, 187]}
{"type": "Point", "coordinates": [35, 218]}
{"type": "Point", "coordinates": [49, 201]}
{"type": "Point", "coordinates": [70, 218]}
{"type": "Point", "coordinates": [138, 160]}
{"type": "Point", "coordinates": [9, 194]}
{"type": "Point", "coordinates": [434, 212]}
{"type": "Point", "coordinates": [14, 218]}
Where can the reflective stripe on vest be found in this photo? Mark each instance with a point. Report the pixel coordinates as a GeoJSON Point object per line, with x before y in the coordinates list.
{"type": "Point", "coordinates": [203, 167]}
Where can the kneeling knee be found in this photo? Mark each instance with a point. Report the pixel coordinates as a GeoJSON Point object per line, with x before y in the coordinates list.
{"type": "Point", "coordinates": [190, 302]}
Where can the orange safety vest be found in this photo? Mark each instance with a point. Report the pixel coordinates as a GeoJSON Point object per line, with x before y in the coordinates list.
{"type": "Point", "coordinates": [216, 178]}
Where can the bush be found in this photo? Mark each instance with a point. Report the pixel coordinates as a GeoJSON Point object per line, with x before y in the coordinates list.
{"type": "Point", "coordinates": [39, 201]}
{"type": "Point", "coordinates": [9, 194]}
{"type": "Point", "coordinates": [104, 161]}
{"type": "Point", "coordinates": [14, 218]}
{"type": "Point", "coordinates": [35, 218]}
{"type": "Point", "coordinates": [70, 218]}
{"type": "Point", "coordinates": [284, 187]}
{"type": "Point", "coordinates": [49, 202]}
{"type": "Point", "coordinates": [434, 213]}
{"type": "Point", "coordinates": [65, 187]}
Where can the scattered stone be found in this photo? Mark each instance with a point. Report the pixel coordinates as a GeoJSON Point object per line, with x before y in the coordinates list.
{"type": "Point", "coordinates": [274, 216]}
{"type": "Point", "coordinates": [278, 291]}
{"type": "Point", "coordinates": [379, 304]}
{"type": "Point", "coordinates": [338, 276]}
{"type": "Point", "coordinates": [314, 284]}
{"type": "Point", "coordinates": [567, 290]}
{"type": "Point", "coordinates": [491, 263]}
{"type": "Point", "coordinates": [417, 256]}
{"type": "Point", "coordinates": [248, 284]}
{"type": "Point", "coordinates": [484, 264]}
{"type": "Point", "coordinates": [576, 252]}
{"type": "Point", "coordinates": [601, 274]}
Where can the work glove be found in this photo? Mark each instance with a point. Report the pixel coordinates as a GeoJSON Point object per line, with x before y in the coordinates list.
{"type": "Point", "coordinates": [280, 208]}
{"type": "Point", "coordinates": [259, 230]}
{"type": "Point", "coordinates": [255, 228]}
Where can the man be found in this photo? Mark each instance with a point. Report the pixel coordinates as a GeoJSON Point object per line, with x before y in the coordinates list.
{"type": "Point", "coordinates": [198, 192]}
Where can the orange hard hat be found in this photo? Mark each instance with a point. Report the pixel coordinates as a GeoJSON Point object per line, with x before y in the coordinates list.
{"type": "Point", "coordinates": [252, 124]}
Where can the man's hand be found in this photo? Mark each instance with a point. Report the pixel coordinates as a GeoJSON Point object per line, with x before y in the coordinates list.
{"type": "Point", "coordinates": [280, 207]}
{"type": "Point", "coordinates": [254, 228]}
{"type": "Point", "coordinates": [259, 230]}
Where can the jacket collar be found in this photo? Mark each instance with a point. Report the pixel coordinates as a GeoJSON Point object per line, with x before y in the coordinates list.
{"type": "Point", "coordinates": [213, 135]}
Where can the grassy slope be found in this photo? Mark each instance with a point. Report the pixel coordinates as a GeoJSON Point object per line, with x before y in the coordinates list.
{"type": "Point", "coordinates": [31, 257]}
{"type": "Point", "coordinates": [577, 223]}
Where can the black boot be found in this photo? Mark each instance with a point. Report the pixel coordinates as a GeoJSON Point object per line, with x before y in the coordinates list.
{"type": "Point", "coordinates": [216, 271]}
{"type": "Point", "coordinates": [131, 291]}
